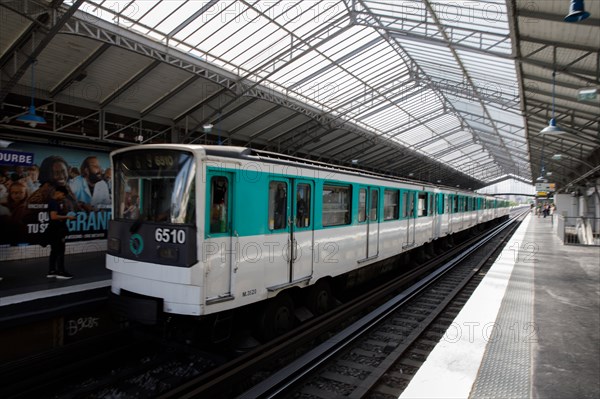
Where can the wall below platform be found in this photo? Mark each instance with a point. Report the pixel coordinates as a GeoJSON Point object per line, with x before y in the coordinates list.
{"type": "Point", "coordinates": [8, 252]}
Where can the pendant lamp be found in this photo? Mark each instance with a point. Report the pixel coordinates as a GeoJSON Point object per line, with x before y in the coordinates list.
{"type": "Point", "coordinates": [31, 117]}
{"type": "Point", "coordinates": [577, 12]}
{"type": "Point", "coordinates": [552, 128]}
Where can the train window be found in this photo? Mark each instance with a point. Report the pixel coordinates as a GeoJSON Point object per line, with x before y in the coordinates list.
{"type": "Point", "coordinates": [155, 185]}
{"type": "Point", "coordinates": [336, 205]}
{"type": "Point", "coordinates": [390, 204]}
{"type": "Point", "coordinates": [277, 205]}
{"type": "Point", "coordinates": [374, 205]}
{"type": "Point", "coordinates": [130, 208]}
{"type": "Point", "coordinates": [422, 205]}
{"type": "Point", "coordinates": [219, 202]}
{"type": "Point", "coordinates": [430, 206]}
{"type": "Point", "coordinates": [362, 205]}
{"type": "Point", "coordinates": [455, 204]}
{"type": "Point", "coordinates": [303, 200]}
{"type": "Point", "coordinates": [439, 200]}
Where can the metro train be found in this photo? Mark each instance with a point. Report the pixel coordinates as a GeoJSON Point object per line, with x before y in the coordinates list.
{"type": "Point", "coordinates": [206, 230]}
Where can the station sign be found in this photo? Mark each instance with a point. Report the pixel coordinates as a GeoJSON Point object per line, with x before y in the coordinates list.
{"type": "Point", "coordinates": [16, 158]}
{"type": "Point", "coordinates": [545, 187]}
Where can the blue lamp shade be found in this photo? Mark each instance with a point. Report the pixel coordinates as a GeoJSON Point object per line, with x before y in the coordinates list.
{"type": "Point", "coordinates": [32, 118]}
{"type": "Point", "coordinates": [552, 128]}
{"type": "Point", "coordinates": [577, 12]}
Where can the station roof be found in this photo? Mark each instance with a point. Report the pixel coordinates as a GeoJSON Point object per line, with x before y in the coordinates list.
{"type": "Point", "coordinates": [452, 93]}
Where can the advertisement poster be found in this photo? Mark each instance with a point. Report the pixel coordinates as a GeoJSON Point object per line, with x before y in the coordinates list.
{"type": "Point", "coordinates": [29, 176]}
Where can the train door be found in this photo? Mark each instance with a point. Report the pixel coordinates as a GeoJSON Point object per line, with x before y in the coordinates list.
{"type": "Point", "coordinates": [432, 211]}
{"type": "Point", "coordinates": [443, 212]}
{"type": "Point", "coordinates": [450, 212]}
{"type": "Point", "coordinates": [437, 216]}
{"type": "Point", "coordinates": [291, 212]}
{"type": "Point", "coordinates": [220, 253]}
{"type": "Point", "coordinates": [408, 213]}
{"type": "Point", "coordinates": [368, 218]}
{"type": "Point", "coordinates": [301, 230]}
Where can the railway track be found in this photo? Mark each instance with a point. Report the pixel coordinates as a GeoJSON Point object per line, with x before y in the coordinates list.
{"type": "Point", "coordinates": [379, 355]}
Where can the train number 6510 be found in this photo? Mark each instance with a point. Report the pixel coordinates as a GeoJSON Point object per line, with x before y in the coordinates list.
{"type": "Point", "coordinates": [171, 236]}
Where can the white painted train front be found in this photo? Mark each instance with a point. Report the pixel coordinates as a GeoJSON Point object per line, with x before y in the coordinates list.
{"type": "Point", "coordinates": [199, 230]}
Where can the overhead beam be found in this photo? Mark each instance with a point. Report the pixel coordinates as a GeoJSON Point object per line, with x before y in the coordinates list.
{"type": "Point", "coordinates": [25, 60]}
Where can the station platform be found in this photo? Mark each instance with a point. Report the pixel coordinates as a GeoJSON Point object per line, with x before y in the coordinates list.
{"type": "Point", "coordinates": [531, 329]}
{"type": "Point", "coordinates": [24, 287]}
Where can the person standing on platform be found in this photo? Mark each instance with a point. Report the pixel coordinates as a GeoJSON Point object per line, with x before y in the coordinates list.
{"type": "Point", "coordinates": [57, 231]}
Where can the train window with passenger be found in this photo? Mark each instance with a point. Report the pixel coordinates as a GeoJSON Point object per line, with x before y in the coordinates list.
{"type": "Point", "coordinates": [336, 205]}
{"type": "Point", "coordinates": [277, 205]}
{"type": "Point", "coordinates": [219, 204]}
{"type": "Point", "coordinates": [303, 200]}
{"type": "Point", "coordinates": [155, 185]}
{"type": "Point", "coordinates": [362, 205]}
{"type": "Point", "coordinates": [391, 204]}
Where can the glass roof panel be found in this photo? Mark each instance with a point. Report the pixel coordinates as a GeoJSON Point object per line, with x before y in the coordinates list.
{"type": "Point", "coordinates": [411, 71]}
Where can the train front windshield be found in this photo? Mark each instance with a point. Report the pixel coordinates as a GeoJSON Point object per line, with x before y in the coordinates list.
{"type": "Point", "coordinates": [154, 186]}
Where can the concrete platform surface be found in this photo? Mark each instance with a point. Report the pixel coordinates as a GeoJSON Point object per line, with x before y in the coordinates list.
{"type": "Point", "coordinates": [531, 329]}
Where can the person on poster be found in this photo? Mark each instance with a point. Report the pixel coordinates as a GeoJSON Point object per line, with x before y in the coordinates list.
{"type": "Point", "coordinates": [90, 188]}
{"type": "Point", "coordinates": [5, 183]}
{"type": "Point", "coordinates": [58, 208]}
{"type": "Point", "coordinates": [107, 176]}
{"type": "Point", "coordinates": [12, 213]}
{"type": "Point", "coordinates": [32, 179]}
{"type": "Point", "coordinates": [53, 173]}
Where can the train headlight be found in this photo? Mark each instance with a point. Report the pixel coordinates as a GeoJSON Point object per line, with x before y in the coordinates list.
{"type": "Point", "coordinates": [169, 253]}
{"type": "Point", "coordinates": [114, 245]}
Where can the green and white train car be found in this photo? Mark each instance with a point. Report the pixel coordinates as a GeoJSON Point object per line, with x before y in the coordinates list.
{"type": "Point", "coordinates": [198, 230]}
